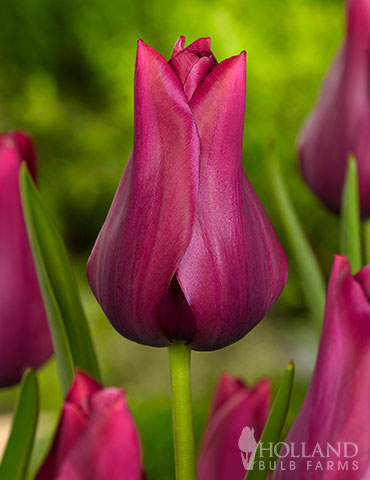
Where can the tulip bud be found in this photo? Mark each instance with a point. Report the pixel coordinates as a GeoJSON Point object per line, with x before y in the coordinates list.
{"type": "Point", "coordinates": [96, 437]}
{"type": "Point", "coordinates": [187, 251]}
{"type": "Point", "coordinates": [24, 333]}
{"type": "Point", "coordinates": [340, 123]}
{"type": "Point", "coordinates": [237, 419]}
{"type": "Point", "coordinates": [334, 421]}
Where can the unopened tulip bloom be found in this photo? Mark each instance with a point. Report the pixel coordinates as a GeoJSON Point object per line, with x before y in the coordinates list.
{"type": "Point", "coordinates": [187, 252]}
{"type": "Point", "coordinates": [335, 414]}
{"type": "Point", "coordinates": [96, 437]}
{"type": "Point", "coordinates": [24, 333]}
{"type": "Point", "coordinates": [237, 419]}
{"type": "Point", "coordinates": [340, 122]}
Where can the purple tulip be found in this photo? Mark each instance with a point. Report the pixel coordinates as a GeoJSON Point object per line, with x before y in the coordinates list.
{"type": "Point", "coordinates": [24, 333]}
{"type": "Point", "coordinates": [187, 251]}
{"type": "Point", "coordinates": [340, 122]}
{"type": "Point", "coordinates": [238, 416]}
{"type": "Point", "coordinates": [96, 437]}
{"type": "Point", "coordinates": [336, 412]}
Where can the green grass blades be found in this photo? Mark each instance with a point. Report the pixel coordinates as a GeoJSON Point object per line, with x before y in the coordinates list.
{"type": "Point", "coordinates": [70, 332]}
{"type": "Point", "coordinates": [351, 243]}
{"type": "Point", "coordinates": [273, 428]}
{"type": "Point", "coordinates": [19, 447]}
{"type": "Point", "coordinates": [305, 259]}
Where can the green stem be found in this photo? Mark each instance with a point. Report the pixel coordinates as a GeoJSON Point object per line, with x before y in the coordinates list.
{"type": "Point", "coordinates": [351, 241]}
{"type": "Point", "coordinates": [183, 430]}
{"type": "Point", "coordinates": [366, 237]}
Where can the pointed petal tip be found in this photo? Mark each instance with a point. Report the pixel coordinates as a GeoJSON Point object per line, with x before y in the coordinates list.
{"type": "Point", "coordinates": [341, 262]}
{"type": "Point", "coordinates": [143, 47]}
{"type": "Point", "coordinates": [242, 57]}
{"type": "Point", "coordinates": [141, 44]}
{"type": "Point", "coordinates": [82, 386]}
{"type": "Point", "coordinates": [179, 46]}
{"type": "Point", "coordinates": [21, 141]}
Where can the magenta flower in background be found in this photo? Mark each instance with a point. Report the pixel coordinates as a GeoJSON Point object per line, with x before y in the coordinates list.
{"type": "Point", "coordinates": [340, 122]}
{"type": "Point", "coordinates": [96, 437]}
{"type": "Point", "coordinates": [236, 421]}
{"type": "Point", "coordinates": [336, 408]}
{"type": "Point", "coordinates": [187, 251]}
{"type": "Point", "coordinates": [24, 333]}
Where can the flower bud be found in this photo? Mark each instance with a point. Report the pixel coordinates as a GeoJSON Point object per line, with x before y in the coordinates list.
{"type": "Point", "coordinates": [334, 421]}
{"type": "Point", "coordinates": [24, 333]}
{"type": "Point", "coordinates": [187, 251]}
{"type": "Point", "coordinates": [96, 437]}
{"type": "Point", "coordinates": [340, 122]}
{"type": "Point", "coordinates": [235, 425]}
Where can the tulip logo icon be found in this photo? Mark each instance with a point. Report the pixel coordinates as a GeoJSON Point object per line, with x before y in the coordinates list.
{"type": "Point", "coordinates": [247, 446]}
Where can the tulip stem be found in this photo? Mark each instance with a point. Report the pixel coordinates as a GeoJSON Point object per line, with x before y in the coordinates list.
{"type": "Point", "coordinates": [183, 429]}
{"type": "Point", "coordinates": [366, 235]}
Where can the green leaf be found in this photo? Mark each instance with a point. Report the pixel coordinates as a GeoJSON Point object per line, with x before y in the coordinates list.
{"type": "Point", "coordinates": [70, 332]}
{"type": "Point", "coordinates": [274, 426]}
{"type": "Point", "coordinates": [351, 244]}
{"type": "Point", "coordinates": [41, 240]}
{"type": "Point", "coordinates": [305, 259]}
{"type": "Point", "coordinates": [19, 447]}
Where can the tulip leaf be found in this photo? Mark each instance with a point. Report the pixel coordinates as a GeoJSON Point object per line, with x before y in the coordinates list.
{"type": "Point", "coordinates": [305, 259]}
{"type": "Point", "coordinates": [68, 324]}
{"type": "Point", "coordinates": [262, 460]}
{"type": "Point", "coordinates": [351, 244]}
{"type": "Point", "coordinates": [39, 237]}
{"type": "Point", "coordinates": [18, 450]}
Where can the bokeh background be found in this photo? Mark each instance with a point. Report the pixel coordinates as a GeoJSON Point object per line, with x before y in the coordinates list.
{"type": "Point", "coordinates": [66, 76]}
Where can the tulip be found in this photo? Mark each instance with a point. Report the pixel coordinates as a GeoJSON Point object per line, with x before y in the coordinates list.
{"type": "Point", "coordinates": [96, 437]}
{"type": "Point", "coordinates": [340, 122]}
{"type": "Point", "coordinates": [187, 252]}
{"type": "Point", "coordinates": [236, 421]}
{"type": "Point", "coordinates": [24, 333]}
{"type": "Point", "coordinates": [336, 409]}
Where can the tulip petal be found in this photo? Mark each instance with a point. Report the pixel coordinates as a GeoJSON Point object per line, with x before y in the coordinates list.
{"type": "Point", "coordinates": [24, 334]}
{"type": "Point", "coordinates": [72, 423]}
{"type": "Point", "coordinates": [26, 151]}
{"type": "Point", "coordinates": [339, 125]}
{"type": "Point", "coordinates": [234, 268]}
{"type": "Point", "coordinates": [220, 454]}
{"type": "Point", "coordinates": [149, 225]}
{"type": "Point", "coordinates": [202, 45]}
{"type": "Point", "coordinates": [183, 64]}
{"type": "Point", "coordinates": [179, 46]}
{"type": "Point", "coordinates": [199, 71]}
{"type": "Point", "coordinates": [82, 387]}
{"type": "Point", "coordinates": [336, 408]}
{"type": "Point", "coordinates": [109, 446]}
{"type": "Point", "coordinates": [363, 278]}
{"type": "Point", "coordinates": [227, 387]}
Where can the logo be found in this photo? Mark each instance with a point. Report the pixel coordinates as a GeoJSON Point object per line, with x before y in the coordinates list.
{"type": "Point", "coordinates": [247, 446]}
{"type": "Point", "coordinates": [287, 456]}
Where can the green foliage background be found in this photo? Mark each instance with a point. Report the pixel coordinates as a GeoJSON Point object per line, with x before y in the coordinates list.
{"type": "Point", "coordinates": [66, 76]}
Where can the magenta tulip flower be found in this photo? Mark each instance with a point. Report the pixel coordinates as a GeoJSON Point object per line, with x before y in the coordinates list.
{"type": "Point", "coordinates": [236, 421]}
{"type": "Point", "coordinates": [96, 437]}
{"type": "Point", "coordinates": [334, 422]}
{"type": "Point", "coordinates": [24, 333]}
{"type": "Point", "coordinates": [187, 251]}
{"type": "Point", "coordinates": [340, 122]}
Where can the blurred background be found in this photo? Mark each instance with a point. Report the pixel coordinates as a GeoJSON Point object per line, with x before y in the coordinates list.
{"type": "Point", "coordinates": [66, 76]}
